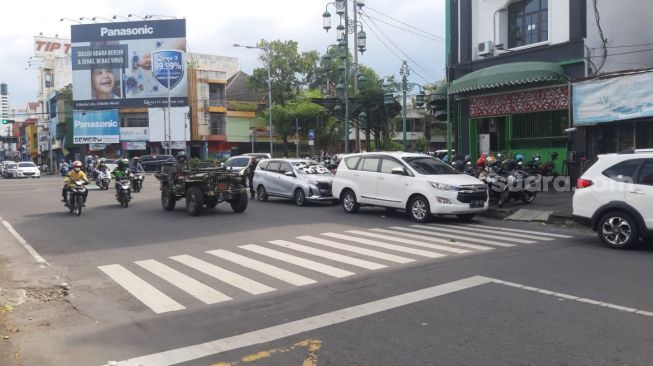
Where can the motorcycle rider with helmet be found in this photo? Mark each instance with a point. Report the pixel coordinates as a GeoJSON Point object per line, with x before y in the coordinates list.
{"type": "Point", "coordinates": [135, 165]}
{"type": "Point", "coordinates": [121, 173]}
{"type": "Point", "coordinates": [73, 176]}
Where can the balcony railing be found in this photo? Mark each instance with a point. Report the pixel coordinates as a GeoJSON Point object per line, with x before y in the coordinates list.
{"type": "Point", "coordinates": [217, 102]}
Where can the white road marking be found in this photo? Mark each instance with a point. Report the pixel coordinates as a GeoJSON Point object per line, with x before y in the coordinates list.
{"type": "Point", "coordinates": [143, 291]}
{"type": "Point", "coordinates": [398, 248]}
{"type": "Point", "coordinates": [328, 255]}
{"type": "Point", "coordinates": [298, 261]}
{"type": "Point", "coordinates": [466, 233]}
{"type": "Point", "coordinates": [494, 231]}
{"type": "Point", "coordinates": [187, 284]}
{"type": "Point", "coordinates": [521, 231]}
{"type": "Point", "coordinates": [407, 241]}
{"type": "Point", "coordinates": [574, 298]}
{"type": "Point", "coordinates": [37, 257]}
{"type": "Point", "coordinates": [355, 249]}
{"type": "Point", "coordinates": [234, 279]}
{"type": "Point", "coordinates": [270, 270]}
{"type": "Point", "coordinates": [430, 238]}
{"type": "Point", "coordinates": [463, 237]}
{"type": "Point", "coordinates": [189, 353]}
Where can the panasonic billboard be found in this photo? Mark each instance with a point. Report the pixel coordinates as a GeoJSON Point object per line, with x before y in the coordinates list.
{"type": "Point", "coordinates": [129, 64]}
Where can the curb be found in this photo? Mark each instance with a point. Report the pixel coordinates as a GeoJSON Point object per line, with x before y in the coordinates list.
{"type": "Point", "coordinates": [555, 218]}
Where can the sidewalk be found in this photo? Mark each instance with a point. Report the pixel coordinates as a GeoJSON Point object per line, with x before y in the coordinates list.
{"type": "Point", "coordinates": [549, 207]}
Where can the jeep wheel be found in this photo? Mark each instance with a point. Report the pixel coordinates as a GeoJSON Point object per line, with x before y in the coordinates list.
{"type": "Point", "coordinates": [262, 193]}
{"type": "Point", "coordinates": [194, 200]}
{"type": "Point", "coordinates": [211, 202]}
{"type": "Point", "coordinates": [618, 230]}
{"type": "Point", "coordinates": [168, 199]}
{"type": "Point", "coordinates": [239, 202]}
{"type": "Point", "coordinates": [349, 203]}
{"type": "Point", "coordinates": [419, 210]}
{"type": "Point", "coordinates": [299, 197]}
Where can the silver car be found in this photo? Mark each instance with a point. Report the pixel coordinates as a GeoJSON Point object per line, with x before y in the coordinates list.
{"type": "Point", "coordinates": [299, 179]}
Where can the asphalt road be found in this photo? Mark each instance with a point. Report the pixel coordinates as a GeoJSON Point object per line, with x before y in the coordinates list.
{"type": "Point", "coordinates": [287, 285]}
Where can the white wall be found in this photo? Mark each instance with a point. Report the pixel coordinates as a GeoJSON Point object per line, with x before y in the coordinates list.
{"type": "Point", "coordinates": [180, 128]}
{"type": "Point", "coordinates": [483, 12]}
{"type": "Point", "coordinates": [624, 22]}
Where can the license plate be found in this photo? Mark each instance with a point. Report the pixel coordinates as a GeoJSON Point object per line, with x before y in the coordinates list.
{"type": "Point", "coordinates": [476, 204]}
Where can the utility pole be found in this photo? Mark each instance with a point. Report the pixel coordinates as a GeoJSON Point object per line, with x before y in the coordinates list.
{"type": "Point", "coordinates": [168, 136]}
{"type": "Point", "coordinates": [357, 147]}
{"type": "Point", "coordinates": [405, 71]}
{"type": "Point", "coordinates": [296, 137]}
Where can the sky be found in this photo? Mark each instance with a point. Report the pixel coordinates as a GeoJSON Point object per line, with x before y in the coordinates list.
{"type": "Point", "coordinates": [214, 26]}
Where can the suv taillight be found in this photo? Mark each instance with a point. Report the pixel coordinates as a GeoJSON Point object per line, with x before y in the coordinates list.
{"type": "Point", "coordinates": [583, 183]}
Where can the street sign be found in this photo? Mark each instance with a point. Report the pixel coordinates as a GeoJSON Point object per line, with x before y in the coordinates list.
{"type": "Point", "coordinates": [311, 142]}
{"type": "Point", "coordinates": [311, 134]}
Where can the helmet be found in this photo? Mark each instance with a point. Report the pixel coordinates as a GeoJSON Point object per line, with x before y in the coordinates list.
{"type": "Point", "coordinates": [136, 159]}
{"type": "Point", "coordinates": [490, 160]}
{"type": "Point", "coordinates": [458, 165]}
{"type": "Point", "coordinates": [519, 157]}
{"type": "Point", "coordinates": [77, 164]}
{"type": "Point", "coordinates": [481, 161]}
{"type": "Point", "coordinates": [122, 163]}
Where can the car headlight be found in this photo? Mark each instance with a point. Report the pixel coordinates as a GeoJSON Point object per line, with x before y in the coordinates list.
{"type": "Point", "coordinates": [442, 186]}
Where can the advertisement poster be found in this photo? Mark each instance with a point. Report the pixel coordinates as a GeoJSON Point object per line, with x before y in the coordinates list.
{"type": "Point", "coordinates": [134, 134]}
{"type": "Point", "coordinates": [134, 145]}
{"type": "Point", "coordinates": [96, 127]}
{"type": "Point", "coordinates": [129, 64]}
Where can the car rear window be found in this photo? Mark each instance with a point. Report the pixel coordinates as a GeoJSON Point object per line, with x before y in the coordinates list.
{"type": "Point", "coordinates": [352, 162]}
{"type": "Point", "coordinates": [646, 174]}
{"type": "Point", "coordinates": [624, 171]}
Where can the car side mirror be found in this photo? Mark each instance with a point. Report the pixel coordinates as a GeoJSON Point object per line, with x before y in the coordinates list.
{"type": "Point", "coordinates": [289, 174]}
{"type": "Point", "coordinates": [398, 171]}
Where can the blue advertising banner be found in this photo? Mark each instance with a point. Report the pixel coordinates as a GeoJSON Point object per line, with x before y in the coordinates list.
{"type": "Point", "coordinates": [96, 127]}
{"type": "Point", "coordinates": [614, 99]}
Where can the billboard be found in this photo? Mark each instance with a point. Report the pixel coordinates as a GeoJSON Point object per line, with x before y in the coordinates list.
{"type": "Point", "coordinates": [134, 134]}
{"type": "Point", "coordinates": [96, 127]}
{"type": "Point", "coordinates": [129, 64]}
{"type": "Point", "coordinates": [51, 47]}
{"type": "Point", "coordinates": [614, 99]}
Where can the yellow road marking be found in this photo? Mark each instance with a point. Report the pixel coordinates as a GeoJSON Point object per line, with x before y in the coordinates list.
{"type": "Point", "coordinates": [313, 346]}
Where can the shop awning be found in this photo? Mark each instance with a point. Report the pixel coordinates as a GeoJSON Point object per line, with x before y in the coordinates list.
{"type": "Point", "coordinates": [508, 75]}
{"type": "Point", "coordinates": [440, 93]}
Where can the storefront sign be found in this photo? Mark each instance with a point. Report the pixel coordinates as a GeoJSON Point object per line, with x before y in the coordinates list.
{"type": "Point", "coordinates": [96, 127]}
{"type": "Point", "coordinates": [540, 100]}
{"type": "Point", "coordinates": [134, 145]}
{"type": "Point", "coordinates": [96, 147]}
{"type": "Point", "coordinates": [134, 134]}
{"type": "Point", "coordinates": [615, 99]}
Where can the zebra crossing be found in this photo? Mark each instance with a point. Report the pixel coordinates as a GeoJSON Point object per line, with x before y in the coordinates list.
{"type": "Point", "coordinates": [221, 275]}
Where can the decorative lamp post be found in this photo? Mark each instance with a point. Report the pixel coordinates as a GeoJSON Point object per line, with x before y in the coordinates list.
{"type": "Point", "coordinates": [404, 88]}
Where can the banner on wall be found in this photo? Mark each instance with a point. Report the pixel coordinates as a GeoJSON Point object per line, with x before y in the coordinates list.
{"type": "Point", "coordinates": [96, 127]}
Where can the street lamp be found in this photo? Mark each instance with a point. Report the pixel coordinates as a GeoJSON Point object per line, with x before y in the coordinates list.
{"type": "Point", "coordinates": [134, 15]}
{"type": "Point", "coordinates": [267, 50]}
{"type": "Point", "coordinates": [150, 16]}
{"type": "Point", "coordinates": [405, 87]}
{"type": "Point", "coordinates": [70, 20]}
{"type": "Point", "coordinates": [118, 16]}
{"type": "Point", "coordinates": [108, 20]}
{"type": "Point", "coordinates": [343, 29]}
{"type": "Point", "coordinates": [89, 19]}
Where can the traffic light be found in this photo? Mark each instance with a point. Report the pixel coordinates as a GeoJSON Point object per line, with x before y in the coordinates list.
{"type": "Point", "coordinates": [7, 120]}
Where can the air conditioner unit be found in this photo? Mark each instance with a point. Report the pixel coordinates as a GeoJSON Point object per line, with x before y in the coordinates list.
{"type": "Point", "coordinates": [485, 48]}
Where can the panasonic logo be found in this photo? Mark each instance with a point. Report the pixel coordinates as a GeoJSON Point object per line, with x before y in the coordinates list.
{"type": "Point", "coordinates": [79, 124]}
{"type": "Point", "coordinates": [144, 30]}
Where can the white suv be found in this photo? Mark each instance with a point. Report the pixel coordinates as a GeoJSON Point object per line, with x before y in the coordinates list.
{"type": "Point", "coordinates": [420, 184]}
{"type": "Point", "coordinates": [615, 197]}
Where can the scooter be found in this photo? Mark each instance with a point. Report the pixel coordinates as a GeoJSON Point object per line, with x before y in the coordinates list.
{"type": "Point", "coordinates": [75, 197]}
{"type": "Point", "coordinates": [137, 182]}
{"type": "Point", "coordinates": [103, 179]}
{"type": "Point", "coordinates": [124, 193]}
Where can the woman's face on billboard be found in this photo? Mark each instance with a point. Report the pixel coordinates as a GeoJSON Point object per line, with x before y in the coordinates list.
{"type": "Point", "coordinates": [103, 81]}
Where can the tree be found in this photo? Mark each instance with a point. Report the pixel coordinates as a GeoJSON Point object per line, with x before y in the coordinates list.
{"type": "Point", "coordinates": [285, 117]}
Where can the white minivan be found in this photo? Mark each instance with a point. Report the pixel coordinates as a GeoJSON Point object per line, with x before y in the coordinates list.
{"type": "Point", "coordinates": [420, 184]}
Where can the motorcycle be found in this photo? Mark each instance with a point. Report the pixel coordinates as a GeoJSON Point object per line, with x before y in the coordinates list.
{"type": "Point", "coordinates": [137, 181]}
{"type": "Point", "coordinates": [508, 181]}
{"type": "Point", "coordinates": [548, 169]}
{"type": "Point", "coordinates": [103, 179]}
{"type": "Point", "coordinates": [64, 170]}
{"type": "Point", "coordinates": [124, 193]}
{"type": "Point", "coordinates": [75, 197]}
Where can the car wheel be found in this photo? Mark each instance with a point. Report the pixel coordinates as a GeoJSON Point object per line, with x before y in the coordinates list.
{"type": "Point", "coordinates": [618, 230]}
{"type": "Point", "coordinates": [194, 200]}
{"type": "Point", "coordinates": [239, 203]}
{"type": "Point", "coordinates": [168, 200]}
{"type": "Point", "coordinates": [299, 197]}
{"type": "Point", "coordinates": [349, 203]}
{"type": "Point", "coordinates": [261, 193]}
{"type": "Point", "coordinates": [419, 209]}
{"type": "Point", "coordinates": [466, 217]}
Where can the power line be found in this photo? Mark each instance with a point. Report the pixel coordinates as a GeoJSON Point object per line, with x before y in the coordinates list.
{"type": "Point", "coordinates": [625, 46]}
{"type": "Point", "coordinates": [624, 53]}
{"type": "Point", "coordinates": [404, 23]}
{"type": "Point", "coordinates": [404, 53]}
{"type": "Point", "coordinates": [404, 29]}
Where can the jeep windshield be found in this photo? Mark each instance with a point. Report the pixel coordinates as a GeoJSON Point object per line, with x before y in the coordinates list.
{"type": "Point", "coordinates": [427, 165]}
{"type": "Point", "coordinates": [311, 168]}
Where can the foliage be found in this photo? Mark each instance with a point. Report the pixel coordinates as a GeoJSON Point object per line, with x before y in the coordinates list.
{"type": "Point", "coordinates": [302, 112]}
{"type": "Point", "coordinates": [242, 106]}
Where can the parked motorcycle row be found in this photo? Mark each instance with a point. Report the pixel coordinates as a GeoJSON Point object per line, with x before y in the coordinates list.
{"type": "Point", "coordinates": [508, 179]}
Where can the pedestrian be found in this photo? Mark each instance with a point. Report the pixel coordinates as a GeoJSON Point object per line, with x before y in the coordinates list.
{"type": "Point", "coordinates": [250, 177]}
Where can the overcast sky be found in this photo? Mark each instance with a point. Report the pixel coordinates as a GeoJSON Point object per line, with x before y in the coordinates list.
{"type": "Point", "coordinates": [212, 27]}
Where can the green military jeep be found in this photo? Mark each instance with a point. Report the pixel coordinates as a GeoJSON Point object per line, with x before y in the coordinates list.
{"type": "Point", "coordinates": [201, 186]}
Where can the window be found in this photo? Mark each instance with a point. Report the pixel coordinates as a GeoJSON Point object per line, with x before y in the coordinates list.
{"type": "Point", "coordinates": [429, 166]}
{"type": "Point", "coordinates": [217, 124]}
{"type": "Point", "coordinates": [624, 171]}
{"type": "Point", "coordinates": [285, 168]}
{"type": "Point", "coordinates": [237, 162]}
{"type": "Point", "coordinates": [528, 22]}
{"type": "Point", "coordinates": [263, 165]}
{"type": "Point", "coordinates": [352, 162]}
{"type": "Point", "coordinates": [388, 164]}
{"type": "Point", "coordinates": [646, 174]}
{"type": "Point", "coordinates": [370, 165]}
{"type": "Point", "coordinates": [274, 166]}
{"type": "Point", "coordinates": [135, 120]}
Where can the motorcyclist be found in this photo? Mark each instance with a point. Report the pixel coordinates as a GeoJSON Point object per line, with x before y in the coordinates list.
{"type": "Point", "coordinates": [250, 176]}
{"type": "Point", "coordinates": [135, 165]}
{"type": "Point", "coordinates": [73, 176]}
{"type": "Point", "coordinates": [121, 173]}
{"type": "Point", "coordinates": [182, 158]}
